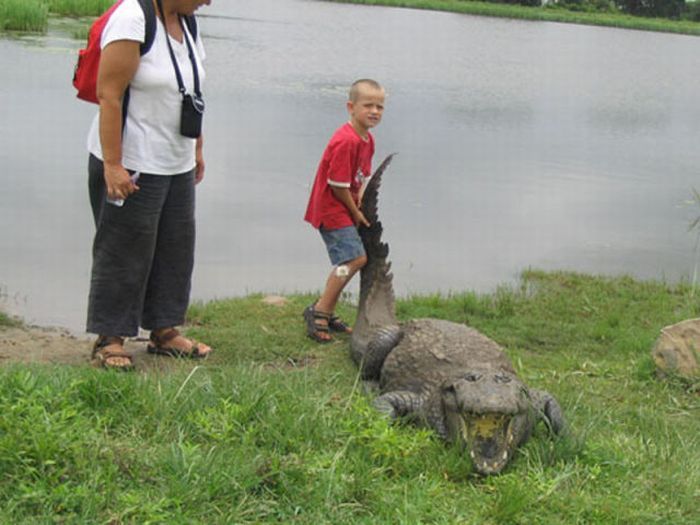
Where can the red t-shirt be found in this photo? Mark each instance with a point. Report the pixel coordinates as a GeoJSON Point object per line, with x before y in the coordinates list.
{"type": "Point", "coordinates": [346, 163]}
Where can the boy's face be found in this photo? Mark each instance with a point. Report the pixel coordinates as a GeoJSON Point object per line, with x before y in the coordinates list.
{"type": "Point", "coordinates": [366, 111]}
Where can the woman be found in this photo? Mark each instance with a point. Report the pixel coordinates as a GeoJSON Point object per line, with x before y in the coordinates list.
{"type": "Point", "coordinates": [142, 173]}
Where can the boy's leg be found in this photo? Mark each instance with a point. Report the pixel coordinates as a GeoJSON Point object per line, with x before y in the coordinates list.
{"type": "Point", "coordinates": [336, 282]}
{"type": "Point", "coordinates": [347, 255]}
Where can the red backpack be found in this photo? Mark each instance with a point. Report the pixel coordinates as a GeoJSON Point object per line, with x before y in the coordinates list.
{"type": "Point", "coordinates": [85, 75]}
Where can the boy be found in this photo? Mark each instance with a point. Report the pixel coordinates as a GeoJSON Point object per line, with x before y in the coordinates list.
{"type": "Point", "coordinates": [334, 204]}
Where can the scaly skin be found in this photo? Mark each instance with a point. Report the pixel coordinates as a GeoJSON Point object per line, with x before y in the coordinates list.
{"type": "Point", "coordinates": [440, 374]}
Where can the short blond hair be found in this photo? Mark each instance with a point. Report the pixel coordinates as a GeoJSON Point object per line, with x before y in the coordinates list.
{"type": "Point", "coordinates": [354, 92]}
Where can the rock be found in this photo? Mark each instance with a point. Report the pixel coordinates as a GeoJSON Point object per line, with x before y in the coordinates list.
{"type": "Point", "coordinates": [275, 300]}
{"type": "Point", "coordinates": [677, 349]}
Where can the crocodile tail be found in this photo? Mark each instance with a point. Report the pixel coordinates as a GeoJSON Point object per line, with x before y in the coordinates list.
{"type": "Point", "coordinates": [376, 290]}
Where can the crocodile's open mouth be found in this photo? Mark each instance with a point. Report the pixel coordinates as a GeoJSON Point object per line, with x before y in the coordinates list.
{"type": "Point", "coordinates": [489, 438]}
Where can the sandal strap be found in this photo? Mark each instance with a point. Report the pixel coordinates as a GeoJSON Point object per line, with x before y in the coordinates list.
{"type": "Point", "coordinates": [321, 315]}
{"type": "Point", "coordinates": [102, 351]}
{"type": "Point", "coordinates": [105, 354]}
{"type": "Point", "coordinates": [160, 339]}
{"type": "Point", "coordinates": [106, 340]}
{"type": "Point", "coordinates": [334, 319]}
{"type": "Point", "coordinates": [312, 317]}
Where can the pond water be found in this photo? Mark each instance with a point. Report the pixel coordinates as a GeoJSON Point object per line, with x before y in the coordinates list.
{"type": "Point", "coordinates": [521, 144]}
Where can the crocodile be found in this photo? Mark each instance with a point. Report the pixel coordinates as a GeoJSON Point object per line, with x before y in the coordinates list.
{"type": "Point", "coordinates": [440, 374]}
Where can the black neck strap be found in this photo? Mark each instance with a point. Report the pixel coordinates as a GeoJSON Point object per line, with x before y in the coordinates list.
{"type": "Point", "coordinates": [190, 50]}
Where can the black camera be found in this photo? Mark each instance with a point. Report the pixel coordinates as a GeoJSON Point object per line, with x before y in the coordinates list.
{"type": "Point", "coordinates": [192, 115]}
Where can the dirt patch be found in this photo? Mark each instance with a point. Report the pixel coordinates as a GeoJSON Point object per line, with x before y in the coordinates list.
{"type": "Point", "coordinates": [33, 344]}
{"type": "Point", "coordinates": [37, 344]}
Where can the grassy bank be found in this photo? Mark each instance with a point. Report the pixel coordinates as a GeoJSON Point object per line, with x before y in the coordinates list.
{"type": "Point", "coordinates": [275, 429]}
{"type": "Point", "coordinates": [5, 320]}
{"type": "Point", "coordinates": [33, 15]}
{"type": "Point", "coordinates": [540, 13]}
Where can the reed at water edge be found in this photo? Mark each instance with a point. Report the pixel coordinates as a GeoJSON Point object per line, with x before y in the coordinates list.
{"type": "Point", "coordinates": [33, 15]}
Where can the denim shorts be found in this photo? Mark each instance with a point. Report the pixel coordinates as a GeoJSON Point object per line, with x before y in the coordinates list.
{"type": "Point", "coordinates": [343, 244]}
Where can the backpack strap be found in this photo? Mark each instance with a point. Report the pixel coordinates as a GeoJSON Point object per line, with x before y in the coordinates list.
{"type": "Point", "coordinates": [149, 12]}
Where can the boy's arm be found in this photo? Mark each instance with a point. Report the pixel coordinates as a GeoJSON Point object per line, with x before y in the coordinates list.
{"type": "Point", "coordinates": [344, 196]}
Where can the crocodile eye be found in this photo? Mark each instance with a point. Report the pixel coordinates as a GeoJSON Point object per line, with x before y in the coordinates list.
{"type": "Point", "coordinates": [500, 378]}
{"type": "Point", "coordinates": [472, 377]}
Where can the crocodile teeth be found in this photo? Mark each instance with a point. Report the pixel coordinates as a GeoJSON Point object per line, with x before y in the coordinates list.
{"type": "Point", "coordinates": [505, 455]}
{"type": "Point", "coordinates": [472, 454]}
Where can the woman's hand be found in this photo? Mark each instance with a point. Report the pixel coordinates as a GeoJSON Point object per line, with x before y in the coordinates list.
{"type": "Point", "coordinates": [118, 182]}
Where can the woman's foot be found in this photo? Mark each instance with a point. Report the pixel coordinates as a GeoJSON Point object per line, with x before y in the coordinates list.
{"type": "Point", "coordinates": [108, 352]}
{"type": "Point", "coordinates": [170, 342]}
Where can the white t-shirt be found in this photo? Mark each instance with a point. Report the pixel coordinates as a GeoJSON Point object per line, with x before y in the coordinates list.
{"type": "Point", "coordinates": [152, 142]}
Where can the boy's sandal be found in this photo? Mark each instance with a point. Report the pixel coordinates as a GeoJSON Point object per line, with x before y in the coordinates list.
{"type": "Point", "coordinates": [336, 324]}
{"type": "Point", "coordinates": [108, 352]}
{"type": "Point", "coordinates": [159, 345]}
{"type": "Point", "coordinates": [316, 329]}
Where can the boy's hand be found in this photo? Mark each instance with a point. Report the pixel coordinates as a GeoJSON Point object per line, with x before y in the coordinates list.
{"type": "Point", "coordinates": [360, 219]}
{"type": "Point", "coordinates": [344, 196]}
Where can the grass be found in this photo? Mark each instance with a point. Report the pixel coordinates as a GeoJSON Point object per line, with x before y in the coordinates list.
{"type": "Point", "coordinates": [6, 321]}
{"type": "Point", "coordinates": [276, 429]}
{"type": "Point", "coordinates": [33, 15]}
{"type": "Point", "coordinates": [79, 7]}
{"type": "Point", "coordinates": [542, 14]}
{"type": "Point", "coordinates": [23, 15]}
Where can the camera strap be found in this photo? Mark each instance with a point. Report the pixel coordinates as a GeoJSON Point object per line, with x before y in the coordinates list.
{"type": "Point", "coordinates": [190, 50]}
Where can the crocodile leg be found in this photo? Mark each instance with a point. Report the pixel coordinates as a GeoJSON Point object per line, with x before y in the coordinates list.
{"type": "Point", "coordinates": [399, 403]}
{"type": "Point", "coordinates": [383, 341]}
{"type": "Point", "coordinates": [548, 409]}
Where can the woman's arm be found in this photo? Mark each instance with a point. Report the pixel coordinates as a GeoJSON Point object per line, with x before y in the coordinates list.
{"type": "Point", "coordinates": [118, 64]}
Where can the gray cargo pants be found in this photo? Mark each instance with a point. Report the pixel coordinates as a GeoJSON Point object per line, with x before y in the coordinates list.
{"type": "Point", "coordinates": [142, 255]}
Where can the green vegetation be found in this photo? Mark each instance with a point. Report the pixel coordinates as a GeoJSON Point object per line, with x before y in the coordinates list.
{"type": "Point", "coordinates": [573, 13]}
{"type": "Point", "coordinates": [6, 321]}
{"type": "Point", "coordinates": [33, 15]}
{"type": "Point", "coordinates": [23, 15]}
{"type": "Point", "coordinates": [78, 7]}
{"type": "Point", "coordinates": [275, 429]}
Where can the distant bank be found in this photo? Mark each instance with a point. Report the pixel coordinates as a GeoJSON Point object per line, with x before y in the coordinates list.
{"type": "Point", "coordinates": [549, 13]}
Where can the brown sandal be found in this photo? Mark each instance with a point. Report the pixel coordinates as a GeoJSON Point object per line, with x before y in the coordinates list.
{"type": "Point", "coordinates": [315, 327]}
{"type": "Point", "coordinates": [159, 346]}
{"type": "Point", "coordinates": [102, 353]}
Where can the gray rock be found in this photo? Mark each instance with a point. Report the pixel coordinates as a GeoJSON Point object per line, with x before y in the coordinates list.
{"type": "Point", "coordinates": [677, 349]}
